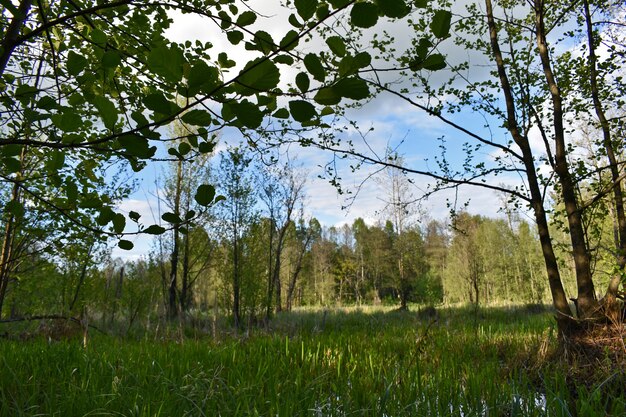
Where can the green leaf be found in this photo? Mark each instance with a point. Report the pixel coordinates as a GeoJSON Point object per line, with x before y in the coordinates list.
{"type": "Point", "coordinates": [227, 112]}
{"type": "Point", "coordinates": [184, 148]}
{"type": "Point", "coordinates": [107, 111]}
{"type": "Point", "coordinates": [248, 114]}
{"type": "Point", "coordinates": [205, 194]}
{"type": "Point", "coordinates": [125, 244]}
{"type": "Point", "coordinates": [433, 62]}
{"type": "Point", "coordinates": [423, 48]}
{"type": "Point", "coordinates": [75, 63]}
{"type": "Point", "coordinates": [246, 18]}
{"type": "Point", "coordinates": [234, 36]}
{"type": "Point", "coordinates": [171, 218]}
{"type": "Point", "coordinates": [202, 77]}
{"type": "Point", "coordinates": [91, 201]}
{"type": "Point", "coordinates": [327, 111]}
{"type": "Point", "coordinates": [68, 122]}
{"type": "Point", "coordinates": [353, 87]}
{"type": "Point", "coordinates": [337, 45]}
{"type": "Point", "coordinates": [167, 62]}
{"type": "Point", "coordinates": [15, 208]}
{"type": "Point", "coordinates": [293, 21]}
{"type": "Point", "coordinates": [302, 111]}
{"type": "Point", "coordinates": [119, 223]}
{"type": "Point", "coordinates": [72, 138]}
{"type": "Point", "coordinates": [154, 230]}
{"type": "Point", "coordinates": [197, 118]}
{"type": "Point", "coordinates": [139, 118]}
{"type": "Point", "coordinates": [11, 165]}
{"type": "Point", "coordinates": [364, 15]}
{"type": "Point", "coordinates": [306, 8]}
{"type": "Point", "coordinates": [225, 20]}
{"type": "Point", "coordinates": [281, 114]}
{"type": "Point", "coordinates": [206, 147]}
{"type": "Point", "coordinates": [362, 59]}
{"type": "Point", "coordinates": [322, 12]}
{"type": "Point", "coordinates": [111, 59]}
{"type": "Point", "coordinates": [259, 75]}
{"type": "Point", "coordinates": [99, 37]}
{"type": "Point", "coordinates": [137, 146]}
{"type": "Point", "coordinates": [290, 40]}
{"type": "Point", "coordinates": [222, 59]}
{"type": "Point", "coordinates": [263, 42]}
{"type": "Point", "coordinates": [393, 8]}
{"type": "Point", "coordinates": [134, 216]}
{"type": "Point", "coordinates": [327, 96]}
{"type": "Point", "coordinates": [76, 100]}
{"type": "Point", "coordinates": [71, 190]}
{"type": "Point", "coordinates": [303, 82]}
{"type": "Point", "coordinates": [25, 92]}
{"type": "Point", "coordinates": [159, 104]}
{"type": "Point", "coordinates": [47, 103]}
{"type": "Point", "coordinates": [314, 66]}
{"type": "Point", "coordinates": [348, 66]}
{"type": "Point", "coordinates": [11, 150]}
{"type": "Point", "coordinates": [284, 59]}
{"type": "Point", "coordinates": [440, 24]}
{"type": "Point", "coordinates": [56, 160]}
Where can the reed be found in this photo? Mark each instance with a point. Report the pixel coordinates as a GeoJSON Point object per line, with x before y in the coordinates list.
{"type": "Point", "coordinates": [356, 362]}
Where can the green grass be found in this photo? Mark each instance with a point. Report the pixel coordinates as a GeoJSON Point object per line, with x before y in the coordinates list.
{"type": "Point", "coordinates": [353, 363]}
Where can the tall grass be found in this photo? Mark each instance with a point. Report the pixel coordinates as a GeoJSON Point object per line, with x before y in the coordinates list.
{"type": "Point", "coordinates": [339, 363]}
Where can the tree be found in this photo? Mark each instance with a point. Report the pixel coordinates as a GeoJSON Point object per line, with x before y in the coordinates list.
{"type": "Point", "coordinates": [98, 82]}
{"type": "Point", "coordinates": [30, 229]}
{"type": "Point", "coordinates": [235, 216]}
{"type": "Point", "coordinates": [530, 89]}
{"type": "Point", "coordinates": [302, 237]}
{"type": "Point", "coordinates": [282, 190]}
{"type": "Point", "coordinates": [406, 240]}
{"type": "Point", "coordinates": [182, 181]}
{"type": "Point", "coordinates": [85, 85]}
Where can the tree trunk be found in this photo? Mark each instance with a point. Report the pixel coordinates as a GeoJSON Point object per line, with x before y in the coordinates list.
{"type": "Point", "coordinates": [587, 305]}
{"type": "Point", "coordinates": [559, 298]}
{"type": "Point", "coordinates": [296, 272]}
{"type": "Point", "coordinates": [277, 262]}
{"type": "Point", "coordinates": [81, 279]}
{"type": "Point", "coordinates": [117, 295]}
{"type": "Point", "coordinates": [270, 274]}
{"type": "Point", "coordinates": [236, 289]}
{"type": "Point", "coordinates": [10, 37]}
{"type": "Point", "coordinates": [403, 292]}
{"type": "Point", "coordinates": [185, 292]}
{"type": "Point", "coordinates": [610, 298]}
{"type": "Point", "coordinates": [173, 281]}
{"type": "Point", "coordinates": [7, 251]}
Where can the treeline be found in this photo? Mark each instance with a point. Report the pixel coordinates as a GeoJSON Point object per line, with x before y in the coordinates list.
{"type": "Point", "coordinates": [256, 253]}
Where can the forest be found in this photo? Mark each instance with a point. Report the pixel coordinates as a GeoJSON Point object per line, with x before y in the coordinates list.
{"type": "Point", "coordinates": [282, 260]}
{"type": "Point", "coordinates": [220, 114]}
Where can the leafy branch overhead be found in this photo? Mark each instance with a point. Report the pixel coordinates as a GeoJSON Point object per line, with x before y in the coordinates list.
{"type": "Point", "coordinates": [86, 85]}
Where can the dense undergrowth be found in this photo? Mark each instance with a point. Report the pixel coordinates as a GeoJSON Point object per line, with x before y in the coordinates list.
{"type": "Point", "coordinates": [358, 362]}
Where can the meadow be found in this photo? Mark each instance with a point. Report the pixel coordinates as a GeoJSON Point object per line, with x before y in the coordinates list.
{"type": "Point", "coordinates": [339, 362]}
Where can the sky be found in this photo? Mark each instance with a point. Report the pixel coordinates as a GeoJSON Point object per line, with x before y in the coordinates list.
{"type": "Point", "coordinates": [411, 132]}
